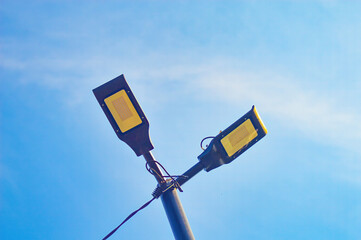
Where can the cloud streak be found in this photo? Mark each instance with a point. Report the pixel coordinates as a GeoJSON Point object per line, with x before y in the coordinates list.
{"type": "Point", "coordinates": [317, 114]}
{"type": "Point", "coordinates": [321, 115]}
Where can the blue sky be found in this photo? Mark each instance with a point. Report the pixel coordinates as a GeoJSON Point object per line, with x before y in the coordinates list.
{"type": "Point", "coordinates": [195, 67]}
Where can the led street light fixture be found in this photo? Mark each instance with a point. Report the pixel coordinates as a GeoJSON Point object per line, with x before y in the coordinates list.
{"type": "Point", "coordinates": [124, 114]}
{"type": "Point", "coordinates": [233, 141]}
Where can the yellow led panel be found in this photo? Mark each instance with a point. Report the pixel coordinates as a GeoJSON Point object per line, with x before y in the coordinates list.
{"type": "Point", "coordinates": [239, 137]}
{"type": "Point", "coordinates": [123, 111]}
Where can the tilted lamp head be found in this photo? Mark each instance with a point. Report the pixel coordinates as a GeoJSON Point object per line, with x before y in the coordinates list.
{"type": "Point", "coordinates": [233, 141]}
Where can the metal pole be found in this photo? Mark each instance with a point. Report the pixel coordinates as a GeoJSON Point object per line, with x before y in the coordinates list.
{"type": "Point", "coordinates": [172, 205]}
{"type": "Point", "coordinates": [176, 216]}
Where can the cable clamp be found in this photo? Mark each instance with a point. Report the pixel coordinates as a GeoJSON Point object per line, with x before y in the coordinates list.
{"type": "Point", "coordinates": [166, 186]}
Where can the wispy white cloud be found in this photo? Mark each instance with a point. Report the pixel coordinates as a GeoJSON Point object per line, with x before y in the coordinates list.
{"type": "Point", "coordinates": [317, 113]}
{"type": "Point", "coordinates": [322, 115]}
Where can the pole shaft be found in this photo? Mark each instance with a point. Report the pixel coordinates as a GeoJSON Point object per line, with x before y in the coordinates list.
{"type": "Point", "coordinates": [176, 216]}
{"type": "Point", "coordinates": [172, 205]}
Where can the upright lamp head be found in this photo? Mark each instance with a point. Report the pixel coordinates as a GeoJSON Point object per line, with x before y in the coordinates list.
{"type": "Point", "coordinates": [124, 114]}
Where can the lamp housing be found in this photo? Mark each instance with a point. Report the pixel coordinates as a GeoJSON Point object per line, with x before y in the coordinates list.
{"type": "Point", "coordinates": [124, 114]}
{"type": "Point", "coordinates": [233, 141]}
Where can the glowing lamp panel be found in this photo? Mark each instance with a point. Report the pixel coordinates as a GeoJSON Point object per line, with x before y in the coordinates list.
{"type": "Point", "coordinates": [123, 111]}
{"type": "Point", "coordinates": [239, 137]}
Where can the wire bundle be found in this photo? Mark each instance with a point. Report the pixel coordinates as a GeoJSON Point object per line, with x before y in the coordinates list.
{"type": "Point", "coordinates": [160, 189]}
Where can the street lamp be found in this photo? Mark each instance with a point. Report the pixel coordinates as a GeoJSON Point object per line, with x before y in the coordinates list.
{"type": "Point", "coordinates": [131, 126]}
{"type": "Point", "coordinates": [233, 141]}
{"type": "Point", "coordinates": [125, 114]}
{"type": "Point", "coordinates": [228, 144]}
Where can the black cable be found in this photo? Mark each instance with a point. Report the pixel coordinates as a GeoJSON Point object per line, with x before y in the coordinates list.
{"type": "Point", "coordinates": [131, 215]}
{"type": "Point", "coordinates": [158, 163]}
{"type": "Point", "coordinates": [203, 141]}
{"type": "Point", "coordinates": [153, 172]}
{"type": "Point", "coordinates": [156, 193]}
